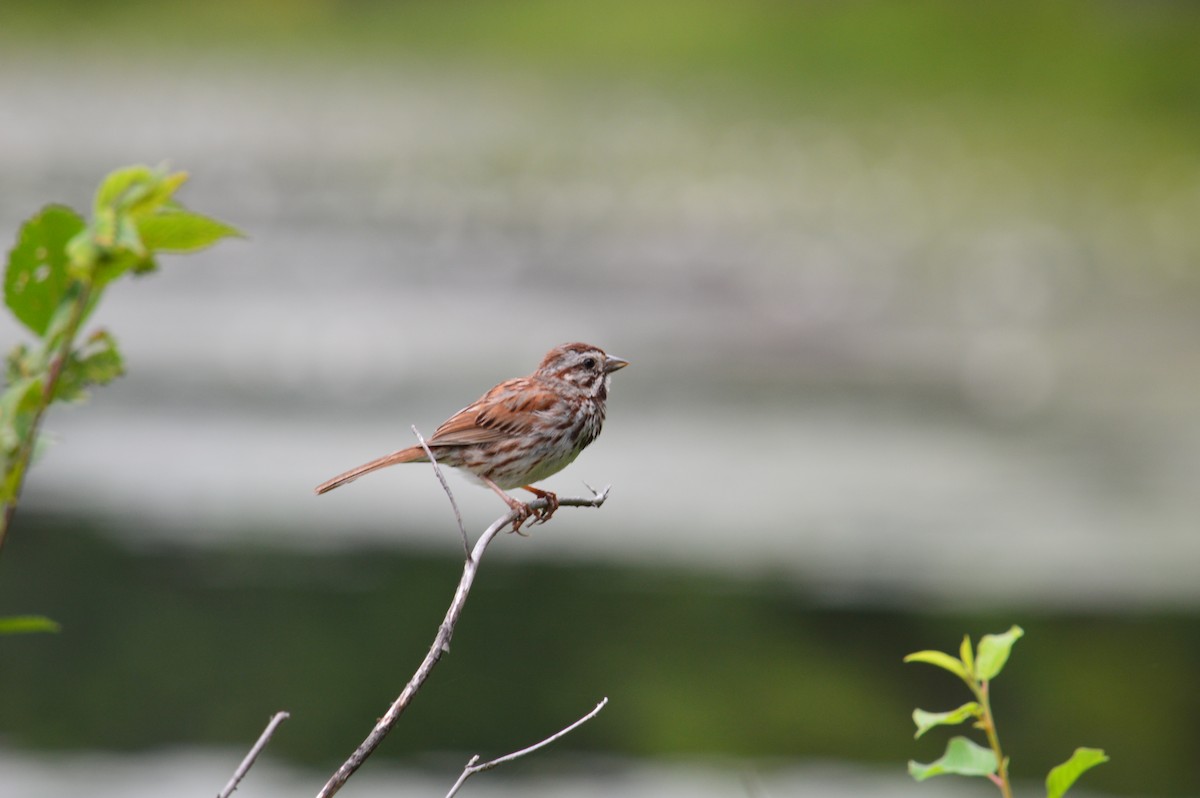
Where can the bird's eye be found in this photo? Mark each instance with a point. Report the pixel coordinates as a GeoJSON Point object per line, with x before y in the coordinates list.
{"type": "Point", "coordinates": [589, 362]}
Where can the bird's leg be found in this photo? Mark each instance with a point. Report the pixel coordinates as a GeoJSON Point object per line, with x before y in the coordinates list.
{"type": "Point", "coordinates": [522, 510]}
{"type": "Point", "coordinates": [551, 503]}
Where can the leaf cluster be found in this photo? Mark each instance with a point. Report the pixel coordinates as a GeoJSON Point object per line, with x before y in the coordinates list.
{"type": "Point", "coordinates": [976, 667]}
{"type": "Point", "coordinates": [55, 275]}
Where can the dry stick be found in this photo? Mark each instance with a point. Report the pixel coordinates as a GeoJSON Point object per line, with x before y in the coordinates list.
{"type": "Point", "coordinates": [437, 470]}
{"type": "Point", "coordinates": [471, 769]}
{"type": "Point", "coordinates": [441, 643]}
{"type": "Point", "coordinates": [248, 762]}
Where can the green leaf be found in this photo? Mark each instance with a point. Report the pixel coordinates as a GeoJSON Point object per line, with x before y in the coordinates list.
{"type": "Point", "coordinates": [21, 363]}
{"type": "Point", "coordinates": [127, 237]}
{"type": "Point", "coordinates": [114, 263]}
{"type": "Point", "coordinates": [101, 263]}
{"type": "Point", "coordinates": [136, 190]}
{"type": "Point", "coordinates": [23, 624]}
{"type": "Point", "coordinates": [18, 405]}
{"type": "Point", "coordinates": [993, 653]}
{"type": "Point", "coordinates": [37, 276]}
{"type": "Point", "coordinates": [113, 243]}
{"type": "Point", "coordinates": [134, 217]}
{"type": "Point", "coordinates": [962, 758]}
{"type": "Point", "coordinates": [928, 720]}
{"type": "Point", "coordinates": [120, 182]}
{"type": "Point", "coordinates": [1062, 777]}
{"type": "Point", "coordinates": [964, 651]}
{"type": "Point", "coordinates": [177, 230]}
{"type": "Point", "coordinates": [942, 660]}
{"type": "Point", "coordinates": [97, 362]}
{"type": "Point", "coordinates": [60, 319]}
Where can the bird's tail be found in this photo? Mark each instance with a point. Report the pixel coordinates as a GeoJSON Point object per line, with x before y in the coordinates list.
{"type": "Point", "coordinates": [410, 455]}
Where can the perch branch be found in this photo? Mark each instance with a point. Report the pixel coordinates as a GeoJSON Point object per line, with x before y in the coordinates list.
{"type": "Point", "coordinates": [438, 471]}
{"type": "Point", "coordinates": [441, 643]}
{"type": "Point", "coordinates": [248, 762]}
{"type": "Point", "coordinates": [471, 769]}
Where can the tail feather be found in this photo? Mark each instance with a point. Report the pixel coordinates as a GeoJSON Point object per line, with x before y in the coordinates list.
{"type": "Point", "coordinates": [409, 455]}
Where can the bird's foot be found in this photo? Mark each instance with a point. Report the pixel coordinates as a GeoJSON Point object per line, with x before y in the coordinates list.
{"type": "Point", "coordinates": [543, 514]}
{"type": "Point", "coordinates": [522, 513]}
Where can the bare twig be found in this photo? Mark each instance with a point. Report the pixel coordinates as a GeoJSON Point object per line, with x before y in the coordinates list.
{"type": "Point", "coordinates": [248, 762]}
{"type": "Point", "coordinates": [438, 471]}
{"type": "Point", "coordinates": [471, 769]}
{"type": "Point", "coordinates": [441, 642]}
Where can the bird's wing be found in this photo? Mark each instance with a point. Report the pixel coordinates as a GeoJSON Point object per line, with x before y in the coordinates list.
{"type": "Point", "coordinates": [505, 411]}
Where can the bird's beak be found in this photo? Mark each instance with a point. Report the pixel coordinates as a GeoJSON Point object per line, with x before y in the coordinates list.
{"type": "Point", "coordinates": [612, 364]}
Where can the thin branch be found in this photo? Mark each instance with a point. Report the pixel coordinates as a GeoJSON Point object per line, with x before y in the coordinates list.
{"type": "Point", "coordinates": [471, 769]}
{"type": "Point", "coordinates": [988, 722]}
{"type": "Point", "coordinates": [441, 643]}
{"type": "Point", "coordinates": [437, 470]}
{"type": "Point", "coordinates": [248, 762]}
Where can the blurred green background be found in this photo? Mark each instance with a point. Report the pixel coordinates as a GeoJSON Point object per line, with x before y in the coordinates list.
{"type": "Point", "coordinates": [911, 294]}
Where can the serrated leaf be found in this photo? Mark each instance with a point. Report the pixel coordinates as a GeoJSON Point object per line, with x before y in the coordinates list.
{"type": "Point", "coordinates": [37, 276]}
{"type": "Point", "coordinates": [97, 362]}
{"type": "Point", "coordinates": [962, 758]}
{"type": "Point", "coordinates": [24, 624]}
{"type": "Point", "coordinates": [942, 660]}
{"type": "Point", "coordinates": [1063, 776]}
{"type": "Point", "coordinates": [928, 720]}
{"type": "Point", "coordinates": [174, 229]}
{"type": "Point", "coordinates": [993, 653]}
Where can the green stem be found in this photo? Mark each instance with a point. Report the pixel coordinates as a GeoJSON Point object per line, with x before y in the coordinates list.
{"type": "Point", "coordinates": [989, 727]}
{"type": "Point", "coordinates": [58, 361]}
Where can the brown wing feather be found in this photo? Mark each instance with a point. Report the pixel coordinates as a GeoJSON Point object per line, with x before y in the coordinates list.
{"type": "Point", "coordinates": [503, 412]}
{"type": "Point", "coordinates": [506, 411]}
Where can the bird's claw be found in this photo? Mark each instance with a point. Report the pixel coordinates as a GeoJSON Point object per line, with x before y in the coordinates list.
{"type": "Point", "coordinates": [522, 514]}
{"type": "Point", "coordinates": [543, 514]}
{"type": "Point", "coordinates": [540, 515]}
{"type": "Point", "coordinates": [551, 507]}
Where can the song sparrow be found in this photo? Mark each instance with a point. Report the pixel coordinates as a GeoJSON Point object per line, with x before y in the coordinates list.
{"type": "Point", "coordinates": [522, 431]}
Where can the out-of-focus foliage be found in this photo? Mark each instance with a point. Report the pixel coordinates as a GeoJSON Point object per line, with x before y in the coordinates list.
{"type": "Point", "coordinates": [976, 667]}
{"type": "Point", "coordinates": [664, 645]}
{"type": "Point", "coordinates": [1112, 57]}
{"type": "Point", "coordinates": [55, 276]}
